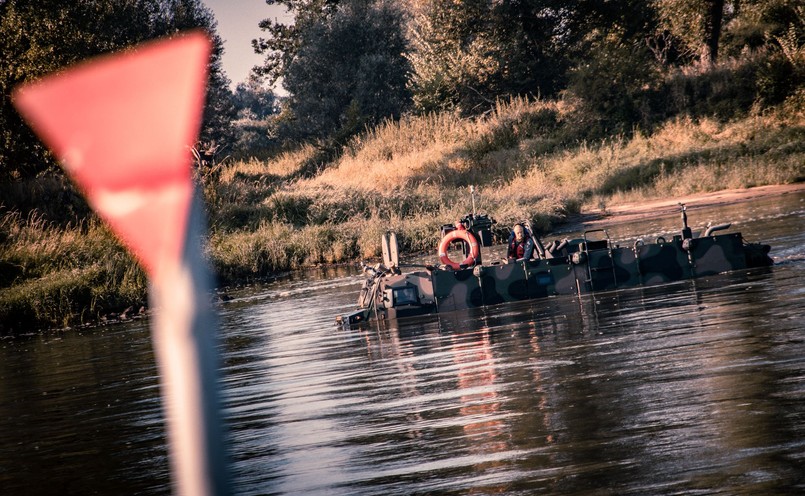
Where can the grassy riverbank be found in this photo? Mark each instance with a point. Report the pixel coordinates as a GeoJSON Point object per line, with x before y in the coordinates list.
{"type": "Point", "coordinates": [414, 175]}
{"type": "Point", "coordinates": [528, 160]}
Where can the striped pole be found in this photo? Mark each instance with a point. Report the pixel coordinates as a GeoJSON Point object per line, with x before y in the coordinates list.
{"type": "Point", "coordinates": [122, 126]}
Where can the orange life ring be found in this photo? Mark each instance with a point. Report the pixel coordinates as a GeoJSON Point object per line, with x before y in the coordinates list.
{"type": "Point", "coordinates": [467, 236]}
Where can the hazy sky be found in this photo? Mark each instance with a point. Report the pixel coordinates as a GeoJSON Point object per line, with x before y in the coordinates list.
{"type": "Point", "coordinates": [237, 26]}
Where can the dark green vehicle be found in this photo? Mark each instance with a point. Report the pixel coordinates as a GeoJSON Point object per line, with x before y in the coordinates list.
{"type": "Point", "coordinates": [586, 265]}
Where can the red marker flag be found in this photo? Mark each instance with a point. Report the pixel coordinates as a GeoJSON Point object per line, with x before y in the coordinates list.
{"type": "Point", "coordinates": [122, 125]}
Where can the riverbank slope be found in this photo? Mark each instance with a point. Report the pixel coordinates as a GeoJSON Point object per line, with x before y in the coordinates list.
{"type": "Point", "coordinates": [525, 161]}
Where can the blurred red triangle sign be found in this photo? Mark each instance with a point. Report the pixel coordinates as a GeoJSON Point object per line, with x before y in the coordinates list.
{"type": "Point", "coordinates": [122, 126]}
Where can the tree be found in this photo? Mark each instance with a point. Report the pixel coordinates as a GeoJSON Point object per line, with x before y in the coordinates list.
{"type": "Point", "coordinates": [255, 105]}
{"type": "Point", "coordinates": [712, 29]}
{"type": "Point", "coordinates": [254, 101]}
{"type": "Point", "coordinates": [40, 37]}
{"type": "Point", "coordinates": [705, 30]}
{"type": "Point", "coordinates": [611, 84]}
{"type": "Point", "coordinates": [614, 66]}
{"type": "Point", "coordinates": [283, 40]}
{"type": "Point", "coordinates": [467, 54]}
{"type": "Point", "coordinates": [342, 64]}
{"type": "Point", "coordinates": [456, 61]}
{"type": "Point", "coordinates": [696, 25]}
{"type": "Point", "coordinates": [219, 111]}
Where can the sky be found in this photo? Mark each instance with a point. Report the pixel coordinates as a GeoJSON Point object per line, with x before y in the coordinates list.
{"type": "Point", "coordinates": [237, 26]}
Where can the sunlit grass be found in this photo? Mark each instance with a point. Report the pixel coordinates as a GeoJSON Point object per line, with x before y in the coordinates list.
{"type": "Point", "coordinates": [413, 175]}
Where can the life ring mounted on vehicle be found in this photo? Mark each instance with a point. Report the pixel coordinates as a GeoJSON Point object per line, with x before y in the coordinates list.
{"type": "Point", "coordinates": [466, 236]}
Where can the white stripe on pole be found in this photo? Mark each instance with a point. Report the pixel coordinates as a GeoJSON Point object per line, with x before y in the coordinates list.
{"type": "Point", "coordinates": [185, 343]}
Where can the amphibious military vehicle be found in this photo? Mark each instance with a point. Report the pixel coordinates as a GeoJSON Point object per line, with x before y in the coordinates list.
{"type": "Point", "coordinates": [589, 264]}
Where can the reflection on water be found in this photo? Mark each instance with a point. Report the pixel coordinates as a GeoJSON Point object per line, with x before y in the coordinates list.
{"type": "Point", "coordinates": [691, 387]}
{"type": "Point", "coordinates": [80, 414]}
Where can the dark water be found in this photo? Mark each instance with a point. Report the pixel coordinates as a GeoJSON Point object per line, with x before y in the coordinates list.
{"type": "Point", "coordinates": [696, 387]}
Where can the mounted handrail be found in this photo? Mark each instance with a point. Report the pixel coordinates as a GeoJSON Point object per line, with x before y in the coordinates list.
{"type": "Point", "coordinates": [720, 227]}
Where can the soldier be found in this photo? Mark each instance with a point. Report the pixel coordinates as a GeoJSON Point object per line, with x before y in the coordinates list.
{"type": "Point", "coordinates": [521, 244]}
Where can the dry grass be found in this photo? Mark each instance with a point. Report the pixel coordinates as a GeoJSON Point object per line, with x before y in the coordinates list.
{"type": "Point", "coordinates": [413, 175]}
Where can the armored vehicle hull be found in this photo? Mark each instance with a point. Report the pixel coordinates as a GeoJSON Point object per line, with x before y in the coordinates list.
{"type": "Point", "coordinates": [580, 266]}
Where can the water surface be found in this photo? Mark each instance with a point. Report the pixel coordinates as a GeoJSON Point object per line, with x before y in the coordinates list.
{"type": "Point", "coordinates": [687, 388]}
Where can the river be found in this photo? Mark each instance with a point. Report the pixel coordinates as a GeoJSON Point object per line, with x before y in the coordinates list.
{"type": "Point", "coordinates": [695, 387]}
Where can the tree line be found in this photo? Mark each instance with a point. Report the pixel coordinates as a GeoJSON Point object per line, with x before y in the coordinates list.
{"type": "Point", "coordinates": [350, 64]}
{"type": "Point", "coordinates": [42, 36]}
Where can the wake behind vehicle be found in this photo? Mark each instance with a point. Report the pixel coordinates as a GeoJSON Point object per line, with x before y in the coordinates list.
{"type": "Point", "coordinates": [586, 265]}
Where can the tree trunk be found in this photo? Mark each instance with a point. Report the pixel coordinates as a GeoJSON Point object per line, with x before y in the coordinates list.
{"type": "Point", "coordinates": [712, 29]}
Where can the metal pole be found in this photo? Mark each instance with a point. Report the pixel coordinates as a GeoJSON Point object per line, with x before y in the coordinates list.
{"type": "Point", "coordinates": [184, 334]}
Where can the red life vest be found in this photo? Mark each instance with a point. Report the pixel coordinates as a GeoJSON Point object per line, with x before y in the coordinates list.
{"type": "Point", "coordinates": [517, 250]}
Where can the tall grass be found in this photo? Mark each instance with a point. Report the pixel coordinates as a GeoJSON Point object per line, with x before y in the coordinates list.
{"type": "Point", "coordinates": [413, 175]}
{"type": "Point", "coordinates": [58, 276]}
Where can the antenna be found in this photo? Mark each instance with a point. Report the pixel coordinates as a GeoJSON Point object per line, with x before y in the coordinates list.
{"type": "Point", "coordinates": [686, 232]}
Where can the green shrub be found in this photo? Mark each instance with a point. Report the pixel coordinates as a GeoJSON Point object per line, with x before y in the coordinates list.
{"type": "Point", "coordinates": [776, 80]}
{"type": "Point", "coordinates": [612, 87]}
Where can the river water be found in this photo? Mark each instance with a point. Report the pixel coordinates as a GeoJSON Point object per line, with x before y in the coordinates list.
{"type": "Point", "coordinates": [695, 387]}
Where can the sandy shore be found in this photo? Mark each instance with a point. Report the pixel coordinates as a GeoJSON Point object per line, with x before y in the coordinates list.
{"type": "Point", "coordinates": [636, 211]}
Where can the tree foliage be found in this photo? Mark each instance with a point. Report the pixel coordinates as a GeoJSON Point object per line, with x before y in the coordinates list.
{"type": "Point", "coordinates": [465, 55]}
{"type": "Point", "coordinates": [256, 105]}
{"type": "Point", "coordinates": [344, 68]}
{"type": "Point", "coordinates": [697, 25]}
{"type": "Point", "coordinates": [37, 38]}
{"type": "Point", "coordinates": [282, 41]}
{"type": "Point", "coordinates": [468, 54]}
{"type": "Point", "coordinates": [705, 30]}
{"type": "Point", "coordinates": [254, 101]}
{"type": "Point", "coordinates": [351, 63]}
{"type": "Point", "coordinates": [613, 64]}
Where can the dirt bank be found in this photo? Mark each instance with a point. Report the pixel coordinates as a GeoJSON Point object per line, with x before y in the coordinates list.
{"type": "Point", "coordinates": [636, 211]}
